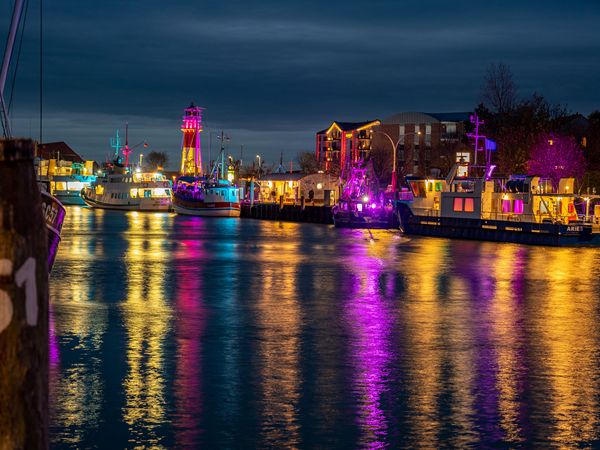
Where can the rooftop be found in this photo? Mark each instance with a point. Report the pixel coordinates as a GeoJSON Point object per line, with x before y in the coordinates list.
{"type": "Point", "coordinates": [58, 150]}
{"type": "Point", "coordinates": [422, 117]}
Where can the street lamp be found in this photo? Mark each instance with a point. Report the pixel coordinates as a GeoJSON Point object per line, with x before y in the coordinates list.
{"type": "Point", "coordinates": [395, 147]}
{"type": "Point", "coordinates": [258, 156]}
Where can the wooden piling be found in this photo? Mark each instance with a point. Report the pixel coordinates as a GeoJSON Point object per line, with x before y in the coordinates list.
{"type": "Point", "coordinates": [23, 302]}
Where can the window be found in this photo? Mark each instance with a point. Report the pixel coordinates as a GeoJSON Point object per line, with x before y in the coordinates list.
{"type": "Point", "coordinates": [416, 136]}
{"type": "Point", "coordinates": [463, 157]}
{"type": "Point", "coordinates": [518, 206]}
{"type": "Point", "coordinates": [506, 206]}
{"type": "Point", "coordinates": [458, 204]}
{"type": "Point", "coordinates": [438, 187]}
{"type": "Point", "coordinates": [469, 205]}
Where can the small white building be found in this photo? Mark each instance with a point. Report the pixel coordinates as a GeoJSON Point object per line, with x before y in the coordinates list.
{"type": "Point", "coordinates": [318, 188]}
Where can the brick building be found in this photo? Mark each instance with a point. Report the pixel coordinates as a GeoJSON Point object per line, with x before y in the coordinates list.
{"type": "Point", "coordinates": [431, 140]}
{"type": "Point", "coordinates": [344, 143]}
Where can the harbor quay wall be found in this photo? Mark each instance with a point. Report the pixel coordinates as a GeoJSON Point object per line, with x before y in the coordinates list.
{"type": "Point", "coordinates": [288, 213]}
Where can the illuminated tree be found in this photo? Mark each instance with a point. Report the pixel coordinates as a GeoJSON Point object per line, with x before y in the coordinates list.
{"type": "Point", "coordinates": [554, 156]}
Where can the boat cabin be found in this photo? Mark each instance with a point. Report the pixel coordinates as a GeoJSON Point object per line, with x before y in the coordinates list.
{"type": "Point", "coordinates": [520, 198]}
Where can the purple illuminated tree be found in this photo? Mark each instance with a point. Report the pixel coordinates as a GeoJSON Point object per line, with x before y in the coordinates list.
{"type": "Point", "coordinates": [555, 157]}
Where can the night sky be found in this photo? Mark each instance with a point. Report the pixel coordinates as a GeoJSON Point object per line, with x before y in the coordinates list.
{"type": "Point", "coordinates": [272, 73]}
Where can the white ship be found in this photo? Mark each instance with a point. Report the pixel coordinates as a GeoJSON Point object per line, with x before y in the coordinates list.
{"type": "Point", "coordinates": [130, 191]}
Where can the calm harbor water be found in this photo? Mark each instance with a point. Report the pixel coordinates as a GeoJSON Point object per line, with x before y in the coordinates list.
{"type": "Point", "coordinates": [179, 332]}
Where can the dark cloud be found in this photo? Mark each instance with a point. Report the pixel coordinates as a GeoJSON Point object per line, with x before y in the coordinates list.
{"type": "Point", "coordinates": [272, 73]}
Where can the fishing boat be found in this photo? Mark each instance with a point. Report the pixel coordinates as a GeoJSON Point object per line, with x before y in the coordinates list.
{"type": "Point", "coordinates": [470, 204]}
{"type": "Point", "coordinates": [54, 216]}
{"type": "Point", "coordinates": [359, 206]}
{"type": "Point", "coordinates": [196, 195]}
{"type": "Point", "coordinates": [199, 196]}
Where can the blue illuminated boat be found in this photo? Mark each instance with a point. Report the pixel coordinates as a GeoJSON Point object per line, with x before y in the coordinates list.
{"type": "Point", "coordinates": [198, 196]}
{"type": "Point", "coordinates": [67, 188]}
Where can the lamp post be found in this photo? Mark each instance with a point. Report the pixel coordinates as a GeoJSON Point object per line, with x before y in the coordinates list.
{"type": "Point", "coordinates": [258, 156]}
{"type": "Point", "coordinates": [395, 147]}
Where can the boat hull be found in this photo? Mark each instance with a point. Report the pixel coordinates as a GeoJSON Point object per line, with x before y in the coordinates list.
{"type": "Point", "coordinates": [70, 198]}
{"type": "Point", "coordinates": [158, 204]}
{"type": "Point", "coordinates": [550, 234]}
{"type": "Point", "coordinates": [343, 219]}
{"type": "Point", "coordinates": [224, 209]}
{"type": "Point", "coordinates": [54, 215]}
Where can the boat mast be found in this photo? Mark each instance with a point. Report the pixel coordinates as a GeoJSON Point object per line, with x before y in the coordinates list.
{"type": "Point", "coordinates": [126, 152]}
{"type": "Point", "coordinates": [10, 43]}
{"type": "Point", "coordinates": [116, 144]}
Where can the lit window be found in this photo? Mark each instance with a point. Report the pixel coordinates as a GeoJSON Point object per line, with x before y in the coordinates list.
{"type": "Point", "coordinates": [518, 206]}
{"type": "Point", "coordinates": [506, 206]}
{"type": "Point", "coordinates": [469, 205]}
{"type": "Point", "coordinates": [458, 204]}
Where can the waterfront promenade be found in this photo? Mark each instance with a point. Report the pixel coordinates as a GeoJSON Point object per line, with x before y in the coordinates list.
{"type": "Point", "coordinates": [183, 332]}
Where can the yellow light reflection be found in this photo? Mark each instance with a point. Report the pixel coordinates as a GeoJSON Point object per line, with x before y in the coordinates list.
{"type": "Point", "coordinates": [568, 339]}
{"type": "Point", "coordinates": [76, 387]}
{"type": "Point", "coordinates": [278, 316]}
{"type": "Point", "coordinates": [147, 319]}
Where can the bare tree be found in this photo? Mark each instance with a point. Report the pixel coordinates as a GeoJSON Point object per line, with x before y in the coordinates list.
{"type": "Point", "coordinates": [499, 91]}
{"type": "Point", "coordinates": [308, 162]}
{"type": "Point", "coordinates": [156, 160]}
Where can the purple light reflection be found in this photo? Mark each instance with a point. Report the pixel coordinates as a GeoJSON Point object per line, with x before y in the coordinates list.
{"type": "Point", "coordinates": [190, 326]}
{"type": "Point", "coordinates": [370, 324]}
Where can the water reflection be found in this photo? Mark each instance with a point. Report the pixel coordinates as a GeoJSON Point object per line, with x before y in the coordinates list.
{"type": "Point", "coordinates": [278, 350]}
{"type": "Point", "coordinates": [567, 344]}
{"type": "Point", "coordinates": [189, 402]}
{"type": "Point", "coordinates": [147, 317]}
{"type": "Point", "coordinates": [370, 323]}
{"type": "Point", "coordinates": [78, 320]}
{"type": "Point", "coordinates": [183, 333]}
